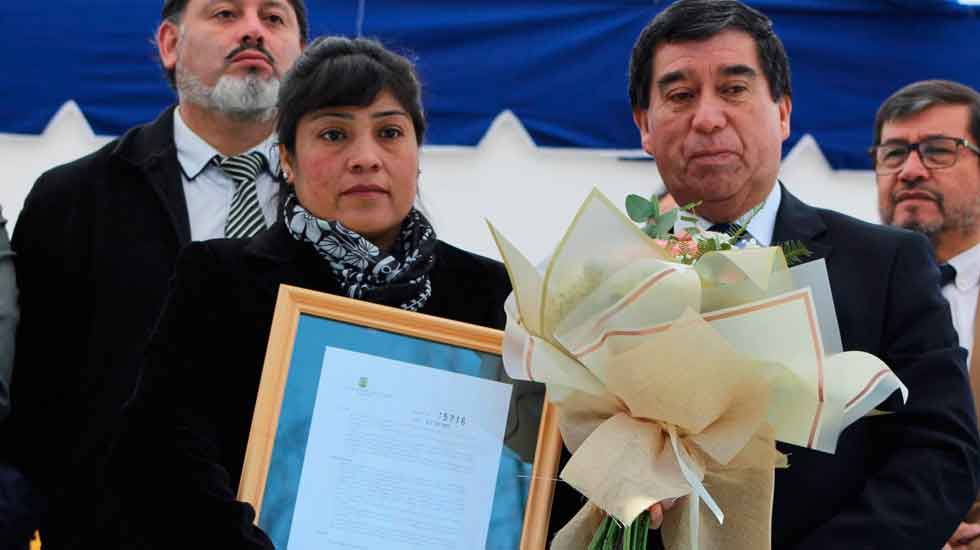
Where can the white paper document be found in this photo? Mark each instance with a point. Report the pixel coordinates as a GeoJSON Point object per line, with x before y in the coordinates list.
{"type": "Point", "coordinates": [400, 456]}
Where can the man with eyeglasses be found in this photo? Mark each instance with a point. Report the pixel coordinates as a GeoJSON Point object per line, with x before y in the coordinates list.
{"type": "Point", "coordinates": [927, 164]}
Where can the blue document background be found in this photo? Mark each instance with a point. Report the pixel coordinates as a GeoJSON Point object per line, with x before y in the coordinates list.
{"type": "Point", "coordinates": [285, 468]}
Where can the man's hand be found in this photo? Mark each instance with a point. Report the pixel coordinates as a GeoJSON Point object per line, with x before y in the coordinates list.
{"type": "Point", "coordinates": [658, 509]}
{"type": "Point", "coordinates": [966, 537]}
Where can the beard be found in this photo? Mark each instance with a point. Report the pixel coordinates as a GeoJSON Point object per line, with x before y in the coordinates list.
{"type": "Point", "coordinates": [927, 229]}
{"type": "Point", "coordinates": [960, 218]}
{"type": "Point", "coordinates": [245, 99]}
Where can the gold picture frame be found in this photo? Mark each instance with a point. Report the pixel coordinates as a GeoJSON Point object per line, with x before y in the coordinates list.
{"type": "Point", "coordinates": [293, 304]}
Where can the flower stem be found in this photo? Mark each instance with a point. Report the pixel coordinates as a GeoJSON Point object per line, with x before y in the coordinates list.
{"type": "Point", "coordinates": [645, 529]}
{"type": "Point", "coordinates": [629, 540]}
{"type": "Point", "coordinates": [600, 534]}
{"type": "Point", "coordinates": [612, 535]}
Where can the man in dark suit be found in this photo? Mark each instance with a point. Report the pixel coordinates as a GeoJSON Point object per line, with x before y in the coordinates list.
{"type": "Point", "coordinates": [14, 491]}
{"type": "Point", "coordinates": [8, 317]}
{"type": "Point", "coordinates": [97, 241]}
{"type": "Point", "coordinates": [710, 91]}
{"type": "Point", "coordinates": [935, 192]}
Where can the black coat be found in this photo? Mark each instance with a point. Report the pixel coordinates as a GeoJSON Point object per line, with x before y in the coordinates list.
{"type": "Point", "coordinates": [193, 412]}
{"type": "Point", "coordinates": [96, 244]}
{"type": "Point", "coordinates": [903, 480]}
{"type": "Point", "coordinates": [897, 481]}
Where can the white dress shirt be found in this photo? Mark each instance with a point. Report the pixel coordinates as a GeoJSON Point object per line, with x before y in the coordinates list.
{"type": "Point", "coordinates": [962, 295]}
{"type": "Point", "coordinates": [208, 189]}
{"type": "Point", "coordinates": [760, 227]}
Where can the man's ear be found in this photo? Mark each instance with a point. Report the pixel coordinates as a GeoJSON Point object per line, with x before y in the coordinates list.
{"type": "Point", "coordinates": [642, 122]}
{"type": "Point", "coordinates": [168, 36]}
{"type": "Point", "coordinates": [785, 110]}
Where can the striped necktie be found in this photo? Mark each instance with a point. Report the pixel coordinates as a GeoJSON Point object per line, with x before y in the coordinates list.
{"type": "Point", "coordinates": [245, 214]}
{"type": "Point", "coordinates": [727, 228]}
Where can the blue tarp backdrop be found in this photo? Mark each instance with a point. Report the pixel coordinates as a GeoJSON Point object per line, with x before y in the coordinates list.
{"type": "Point", "coordinates": [560, 65]}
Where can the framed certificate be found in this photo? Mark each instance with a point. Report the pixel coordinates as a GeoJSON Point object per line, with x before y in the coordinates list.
{"type": "Point", "coordinates": [377, 427]}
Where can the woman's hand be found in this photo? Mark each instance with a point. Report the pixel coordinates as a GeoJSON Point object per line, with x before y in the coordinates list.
{"type": "Point", "coordinates": [658, 510]}
{"type": "Point", "coordinates": [966, 537]}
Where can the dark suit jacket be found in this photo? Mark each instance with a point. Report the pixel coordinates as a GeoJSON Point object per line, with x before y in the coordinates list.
{"type": "Point", "coordinates": [96, 244]}
{"type": "Point", "coordinates": [903, 480]}
{"type": "Point", "coordinates": [897, 481]}
{"type": "Point", "coordinates": [193, 413]}
{"type": "Point", "coordinates": [8, 317]}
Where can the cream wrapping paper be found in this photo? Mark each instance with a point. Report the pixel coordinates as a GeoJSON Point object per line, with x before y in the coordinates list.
{"type": "Point", "coordinates": [674, 380]}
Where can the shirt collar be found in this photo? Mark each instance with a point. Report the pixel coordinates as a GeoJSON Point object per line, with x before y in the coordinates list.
{"type": "Point", "coordinates": [760, 227]}
{"type": "Point", "coordinates": [194, 154]}
{"type": "Point", "coordinates": [967, 264]}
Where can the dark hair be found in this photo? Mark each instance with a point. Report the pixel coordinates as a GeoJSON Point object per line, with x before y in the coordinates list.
{"type": "Point", "coordinates": [699, 20]}
{"type": "Point", "coordinates": [919, 96]}
{"type": "Point", "coordinates": [173, 10]}
{"type": "Point", "coordinates": [335, 71]}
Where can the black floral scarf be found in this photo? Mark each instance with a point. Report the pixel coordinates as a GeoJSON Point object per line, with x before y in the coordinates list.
{"type": "Point", "coordinates": [401, 277]}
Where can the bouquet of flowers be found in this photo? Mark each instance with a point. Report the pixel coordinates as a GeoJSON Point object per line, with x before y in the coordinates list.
{"type": "Point", "coordinates": [675, 363]}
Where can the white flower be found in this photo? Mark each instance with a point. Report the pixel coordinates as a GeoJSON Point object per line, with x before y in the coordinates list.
{"type": "Point", "coordinates": [713, 235]}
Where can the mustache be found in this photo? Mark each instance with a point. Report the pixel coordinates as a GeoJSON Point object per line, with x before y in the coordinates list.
{"type": "Point", "coordinates": [711, 145]}
{"type": "Point", "coordinates": [935, 194]}
{"type": "Point", "coordinates": [257, 47]}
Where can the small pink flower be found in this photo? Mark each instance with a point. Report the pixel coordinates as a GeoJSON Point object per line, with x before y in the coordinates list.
{"type": "Point", "coordinates": [674, 247]}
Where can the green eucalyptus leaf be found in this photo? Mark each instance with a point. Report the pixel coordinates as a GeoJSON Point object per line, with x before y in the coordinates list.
{"type": "Point", "coordinates": [665, 223]}
{"type": "Point", "coordinates": [655, 203]}
{"type": "Point", "coordinates": [639, 209]}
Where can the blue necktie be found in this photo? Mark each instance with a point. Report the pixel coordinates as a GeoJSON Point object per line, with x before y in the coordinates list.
{"type": "Point", "coordinates": [947, 274]}
{"type": "Point", "coordinates": [727, 228]}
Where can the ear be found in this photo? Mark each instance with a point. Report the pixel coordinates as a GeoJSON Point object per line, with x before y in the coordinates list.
{"type": "Point", "coordinates": [642, 121]}
{"type": "Point", "coordinates": [785, 110]}
{"type": "Point", "coordinates": [286, 165]}
{"type": "Point", "coordinates": [168, 37]}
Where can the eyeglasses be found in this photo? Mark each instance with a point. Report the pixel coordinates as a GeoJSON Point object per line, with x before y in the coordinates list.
{"type": "Point", "coordinates": [934, 152]}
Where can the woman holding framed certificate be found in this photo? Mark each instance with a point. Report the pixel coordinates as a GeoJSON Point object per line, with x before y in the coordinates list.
{"type": "Point", "coordinates": [350, 127]}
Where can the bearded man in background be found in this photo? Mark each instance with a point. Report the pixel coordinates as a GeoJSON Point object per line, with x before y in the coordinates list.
{"type": "Point", "coordinates": [98, 238]}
